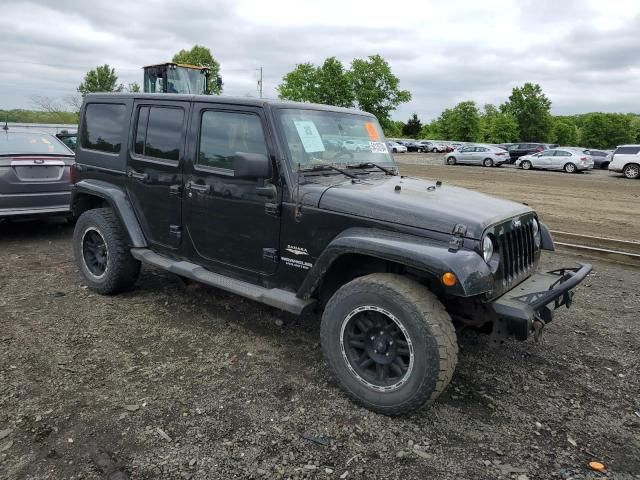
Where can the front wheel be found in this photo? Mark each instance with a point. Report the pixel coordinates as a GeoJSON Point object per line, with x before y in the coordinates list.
{"type": "Point", "coordinates": [389, 343]}
{"type": "Point", "coordinates": [451, 161]}
{"type": "Point", "coordinates": [526, 165]}
{"type": "Point", "coordinates": [434, 150]}
{"type": "Point", "coordinates": [487, 162]}
{"type": "Point", "coordinates": [570, 168]}
{"type": "Point", "coordinates": [631, 171]}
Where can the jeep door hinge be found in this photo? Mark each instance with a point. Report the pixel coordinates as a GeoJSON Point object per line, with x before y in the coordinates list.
{"type": "Point", "coordinates": [175, 231]}
{"type": "Point", "coordinates": [457, 238]}
{"type": "Point", "coordinates": [271, 254]}
{"type": "Point", "coordinates": [272, 209]}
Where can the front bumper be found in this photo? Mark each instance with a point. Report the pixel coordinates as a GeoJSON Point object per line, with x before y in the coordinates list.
{"type": "Point", "coordinates": [535, 299]}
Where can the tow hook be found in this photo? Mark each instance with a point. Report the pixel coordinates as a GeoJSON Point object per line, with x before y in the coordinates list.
{"type": "Point", "coordinates": [538, 327]}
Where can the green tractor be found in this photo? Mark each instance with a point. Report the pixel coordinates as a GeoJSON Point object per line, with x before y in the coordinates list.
{"type": "Point", "coordinates": [177, 78]}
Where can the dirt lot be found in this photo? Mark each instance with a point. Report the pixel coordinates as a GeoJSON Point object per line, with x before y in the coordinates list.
{"type": "Point", "coordinates": [592, 203]}
{"type": "Point", "coordinates": [169, 381]}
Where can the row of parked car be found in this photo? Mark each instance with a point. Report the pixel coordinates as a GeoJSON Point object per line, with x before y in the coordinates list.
{"type": "Point", "coordinates": [625, 159]}
{"type": "Point", "coordinates": [403, 146]}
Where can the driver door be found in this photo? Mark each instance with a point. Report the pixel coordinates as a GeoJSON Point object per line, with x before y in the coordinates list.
{"type": "Point", "coordinates": [233, 223]}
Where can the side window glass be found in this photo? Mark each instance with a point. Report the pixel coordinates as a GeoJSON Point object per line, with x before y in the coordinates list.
{"type": "Point", "coordinates": [223, 134]}
{"type": "Point", "coordinates": [141, 130]}
{"type": "Point", "coordinates": [103, 123]}
{"type": "Point", "coordinates": [159, 132]}
{"type": "Point", "coordinates": [164, 133]}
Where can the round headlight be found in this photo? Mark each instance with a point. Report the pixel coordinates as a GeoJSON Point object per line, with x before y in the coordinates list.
{"type": "Point", "coordinates": [487, 249]}
{"type": "Point", "coordinates": [536, 233]}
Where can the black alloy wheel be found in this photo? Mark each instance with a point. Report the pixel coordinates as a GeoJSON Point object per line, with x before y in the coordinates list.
{"type": "Point", "coordinates": [94, 252]}
{"type": "Point", "coordinates": [376, 348]}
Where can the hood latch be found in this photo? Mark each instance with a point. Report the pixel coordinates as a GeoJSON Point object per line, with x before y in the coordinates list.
{"type": "Point", "coordinates": [457, 239]}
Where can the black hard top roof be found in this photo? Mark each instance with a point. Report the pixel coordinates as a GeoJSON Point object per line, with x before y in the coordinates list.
{"type": "Point", "coordinates": [248, 101]}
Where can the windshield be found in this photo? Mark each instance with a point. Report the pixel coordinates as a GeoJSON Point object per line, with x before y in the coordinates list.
{"type": "Point", "coordinates": [316, 137]}
{"type": "Point", "coordinates": [31, 143]}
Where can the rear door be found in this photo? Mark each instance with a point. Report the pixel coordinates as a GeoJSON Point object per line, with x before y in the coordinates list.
{"type": "Point", "coordinates": [155, 169]}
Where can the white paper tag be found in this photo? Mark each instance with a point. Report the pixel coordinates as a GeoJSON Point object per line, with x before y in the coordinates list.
{"type": "Point", "coordinates": [378, 147]}
{"type": "Point", "coordinates": [311, 140]}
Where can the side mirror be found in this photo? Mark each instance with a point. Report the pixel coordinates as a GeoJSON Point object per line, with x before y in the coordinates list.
{"type": "Point", "coordinates": [251, 165]}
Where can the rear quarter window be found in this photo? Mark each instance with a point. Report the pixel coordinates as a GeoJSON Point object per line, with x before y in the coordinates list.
{"type": "Point", "coordinates": [102, 130]}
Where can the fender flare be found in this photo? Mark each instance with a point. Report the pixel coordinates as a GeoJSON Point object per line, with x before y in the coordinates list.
{"type": "Point", "coordinates": [432, 257]}
{"type": "Point", "coordinates": [118, 200]}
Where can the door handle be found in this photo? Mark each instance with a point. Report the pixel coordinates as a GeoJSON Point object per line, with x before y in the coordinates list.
{"type": "Point", "coordinates": [138, 176]}
{"type": "Point", "coordinates": [197, 187]}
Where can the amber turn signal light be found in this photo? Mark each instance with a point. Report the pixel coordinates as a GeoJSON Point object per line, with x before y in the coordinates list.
{"type": "Point", "coordinates": [449, 279]}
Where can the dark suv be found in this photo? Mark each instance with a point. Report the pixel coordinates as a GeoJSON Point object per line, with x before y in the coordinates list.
{"type": "Point", "coordinates": [518, 150]}
{"type": "Point", "coordinates": [244, 195]}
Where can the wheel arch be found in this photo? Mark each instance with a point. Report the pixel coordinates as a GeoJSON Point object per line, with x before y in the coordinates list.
{"type": "Point", "coordinates": [90, 194]}
{"type": "Point", "coordinates": [361, 251]}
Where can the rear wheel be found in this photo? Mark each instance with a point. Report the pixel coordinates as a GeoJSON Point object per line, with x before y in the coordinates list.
{"type": "Point", "coordinates": [631, 170]}
{"type": "Point", "coordinates": [526, 165]}
{"type": "Point", "coordinates": [102, 252]}
{"type": "Point", "coordinates": [451, 161]}
{"type": "Point", "coordinates": [570, 168]}
{"type": "Point", "coordinates": [487, 162]}
{"type": "Point", "coordinates": [389, 342]}
{"type": "Point", "coordinates": [434, 150]}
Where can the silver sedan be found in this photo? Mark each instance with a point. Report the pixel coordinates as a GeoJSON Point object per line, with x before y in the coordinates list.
{"type": "Point", "coordinates": [571, 160]}
{"type": "Point", "coordinates": [486, 155]}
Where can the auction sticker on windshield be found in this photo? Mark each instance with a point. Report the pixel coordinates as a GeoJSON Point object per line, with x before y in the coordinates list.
{"type": "Point", "coordinates": [372, 131]}
{"type": "Point", "coordinates": [309, 135]}
{"type": "Point", "coordinates": [378, 147]}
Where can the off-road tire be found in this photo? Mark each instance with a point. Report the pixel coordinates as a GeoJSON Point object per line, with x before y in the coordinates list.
{"type": "Point", "coordinates": [487, 162]}
{"type": "Point", "coordinates": [122, 269]}
{"type": "Point", "coordinates": [427, 323]}
{"type": "Point", "coordinates": [451, 161]}
{"type": "Point", "coordinates": [631, 170]}
{"type": "Point", "coordinates": [526, 165]}
{"type": "Point", "coordinates": [570, 168]}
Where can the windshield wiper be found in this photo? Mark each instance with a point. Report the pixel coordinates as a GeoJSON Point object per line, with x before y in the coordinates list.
{"type": "Point", "coordinates": [371, 164]}
{"type": "Point", "coordinates": [326, 166]}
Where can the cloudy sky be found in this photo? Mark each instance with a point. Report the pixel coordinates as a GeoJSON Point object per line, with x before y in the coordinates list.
{"type": "Point", "coordinates": [584, 53]}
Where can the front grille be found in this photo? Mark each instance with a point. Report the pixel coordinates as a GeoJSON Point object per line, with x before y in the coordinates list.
{"type": "Point", "coordinates": [517, 249]}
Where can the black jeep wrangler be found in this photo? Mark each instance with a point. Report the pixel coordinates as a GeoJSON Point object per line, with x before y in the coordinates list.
{"type": "Point", "coordinates": [268, 200]}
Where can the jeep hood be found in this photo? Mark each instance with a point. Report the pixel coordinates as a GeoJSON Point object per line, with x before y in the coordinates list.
{"type": "Point", "coordinates": [420, 203]}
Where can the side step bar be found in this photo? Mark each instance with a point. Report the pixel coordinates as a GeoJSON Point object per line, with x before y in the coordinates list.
{"type": "Point", "coordinates": [271, 296]}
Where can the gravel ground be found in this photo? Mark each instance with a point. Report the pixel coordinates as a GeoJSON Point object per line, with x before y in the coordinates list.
{"type": "Point", "coordinates": [169, 381]}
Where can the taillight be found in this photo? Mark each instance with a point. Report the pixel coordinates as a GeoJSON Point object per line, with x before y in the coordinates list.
{"type": "Point", "coordinates": [500, 153]}
{"type": "Point", "coordinates": [539, 149]}
{"type": "Point", "coordinates": [73, 174]}
{"type": "Point", "coordinates": [584, 159]}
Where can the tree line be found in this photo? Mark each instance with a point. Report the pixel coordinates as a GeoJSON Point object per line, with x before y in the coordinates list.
{"type": "Point", "coordinates": [103, 78]}
{"type": "Point", "coordinates": [524, 117]}
{"type": "Point", "coordinates": [370, 85]}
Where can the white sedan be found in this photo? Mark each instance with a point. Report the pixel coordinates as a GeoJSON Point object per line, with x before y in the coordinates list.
{"type": "Point", "coordinates": [395, 147]}
{"type": "Point", "coordinates": [571, 160]}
